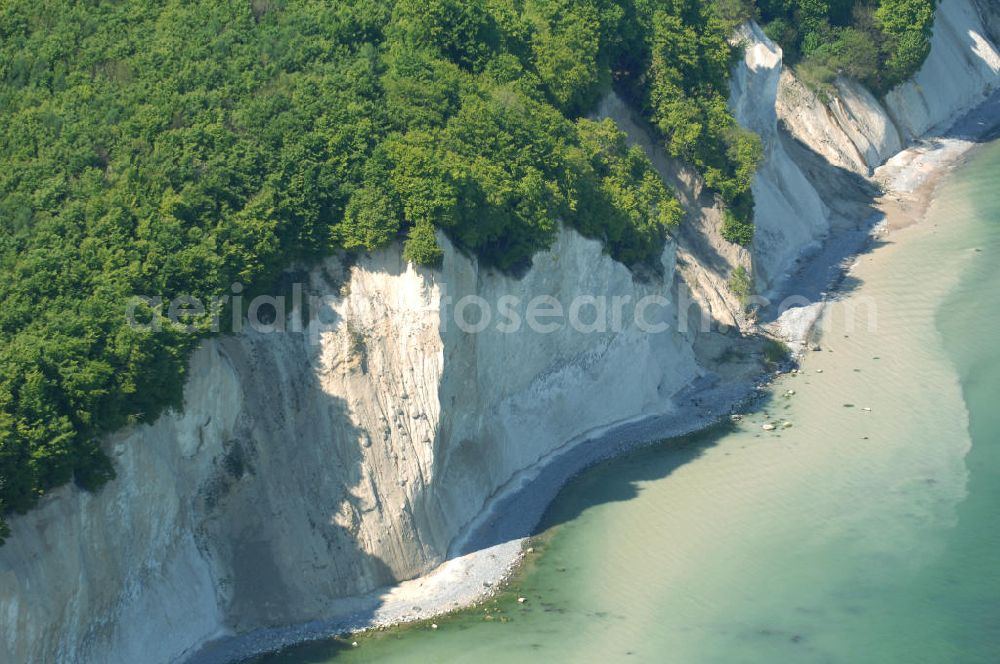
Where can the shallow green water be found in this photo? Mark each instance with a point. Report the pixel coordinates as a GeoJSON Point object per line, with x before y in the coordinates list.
{"type": "Point", "coordinates": [853, 536]}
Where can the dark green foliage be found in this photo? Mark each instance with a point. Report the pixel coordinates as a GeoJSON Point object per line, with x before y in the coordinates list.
{"type": "Point", "coordinates": [775, 352]}
{"type": "Point", "coordinates": [736, 230]}
{"type": "Point", "coordinates": [741, 284]}
{"type": "Point", "coordinates": [164, 147]}
{"type": "Point", "coordinates": [626, 204]}
{"type": "Point", "coordinates": [566, 49]}
{"type": "Point", "coordinates": [878, 42]}
{"type": "Point", "coordinates": [462, 31]}
{"type": "Point", "coordinates": [421, 247]}
{"type": "Point", "coordinates": [734, 12]}
{"type": "Point", "coordinates": [684, 93]}
{"type": "Point", "coordinates": [907, 26]}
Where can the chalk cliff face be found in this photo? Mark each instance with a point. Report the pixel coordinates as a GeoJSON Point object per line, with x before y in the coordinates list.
{"type": "Point", "coordinates": [857, 132]}
{"type": "Point", "coordinates": [326, 462]}
{"type": "Point", "coordinates": [790, 217]}
{"type": "Point", "coordinates": [962, 69]}
{"type": "Point", "coordinates": [797, 204]}
{"type": "Point", "coordinates": [852, 130]}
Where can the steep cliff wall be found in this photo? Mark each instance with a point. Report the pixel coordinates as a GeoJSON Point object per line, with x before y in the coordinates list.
{"type": "Point", "coordinates": [113, 576]}
{"type": "Point", "coordinates": [790, 217]}
{"type": "Point", "coordinates": [327, 462]}
{"type": "Point", "coordinates": [962, 69]}
{"type": "Point", "coordinates": [857, 132]}
{"type": "Point", "coordinates": [852, 130]}
{"type": "Point", "coordinates": [800, 199]}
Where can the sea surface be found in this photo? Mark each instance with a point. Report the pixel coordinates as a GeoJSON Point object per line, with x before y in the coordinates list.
{"type": "Point", "coordinates": [867, 530]}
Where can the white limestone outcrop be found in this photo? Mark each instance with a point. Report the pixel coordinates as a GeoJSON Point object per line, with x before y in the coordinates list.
{"type": "Point", "coordinates": [962, 69]}
{"type": "Point", "coordinates": [790, 217]}
{"type": "Point", "coordinates": [321, 464]}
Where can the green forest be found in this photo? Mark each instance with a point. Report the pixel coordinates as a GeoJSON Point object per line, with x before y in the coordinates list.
{"type": "Point", "coordinates": [175, 147]}
{"type": "Point", "coordinates": [880, 43]}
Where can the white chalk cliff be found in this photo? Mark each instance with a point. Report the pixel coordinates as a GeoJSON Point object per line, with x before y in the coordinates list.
{"type": "Point", "coordinates": [962, 69]}
{"type": "Point", "coordinates": [321, 464]}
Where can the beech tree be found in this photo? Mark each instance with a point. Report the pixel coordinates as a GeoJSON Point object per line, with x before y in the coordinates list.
{"type": "Point", "coordinates": [168, 147]}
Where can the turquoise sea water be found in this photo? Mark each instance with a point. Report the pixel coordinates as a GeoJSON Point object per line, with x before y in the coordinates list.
{"type": "Point", "coordinates": [855, 535]}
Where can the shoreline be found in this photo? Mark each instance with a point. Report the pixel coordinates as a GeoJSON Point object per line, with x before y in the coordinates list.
{"type": "Point", "coordinates": [490, 549]}
{"type": "Point", "coordinates": [485, 558]}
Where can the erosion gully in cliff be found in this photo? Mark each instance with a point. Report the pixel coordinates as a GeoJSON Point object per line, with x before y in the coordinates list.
{"type": "Point", "coordinates": [311, 468]}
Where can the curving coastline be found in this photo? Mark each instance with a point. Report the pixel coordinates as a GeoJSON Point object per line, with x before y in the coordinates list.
{"type": "Point", "coordinates": [395, 504]}
{"type": "Point", "coordinates": [488, 552]}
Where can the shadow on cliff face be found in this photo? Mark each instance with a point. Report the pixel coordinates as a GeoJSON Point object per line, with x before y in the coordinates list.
{"type": "Point", "coordinates": [981, 125]}
{"type": "Point", "coordinates": [258, 590]}
{"type": "Point", "coordinates": [278, 518]}
{"type": "Point", "coordinates": [852, 201]}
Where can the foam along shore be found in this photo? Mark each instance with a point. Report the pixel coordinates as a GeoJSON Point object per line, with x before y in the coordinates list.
{"type": "Point", "coordinates": [485, 556]}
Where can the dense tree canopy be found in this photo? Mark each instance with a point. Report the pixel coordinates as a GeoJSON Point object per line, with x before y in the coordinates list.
{"type": "Point", "coordinates": [174, 147]}
{"type": "Point", "coordinates": [878, 42]}
{"type": "Point", "coordinates": [685, 93]}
